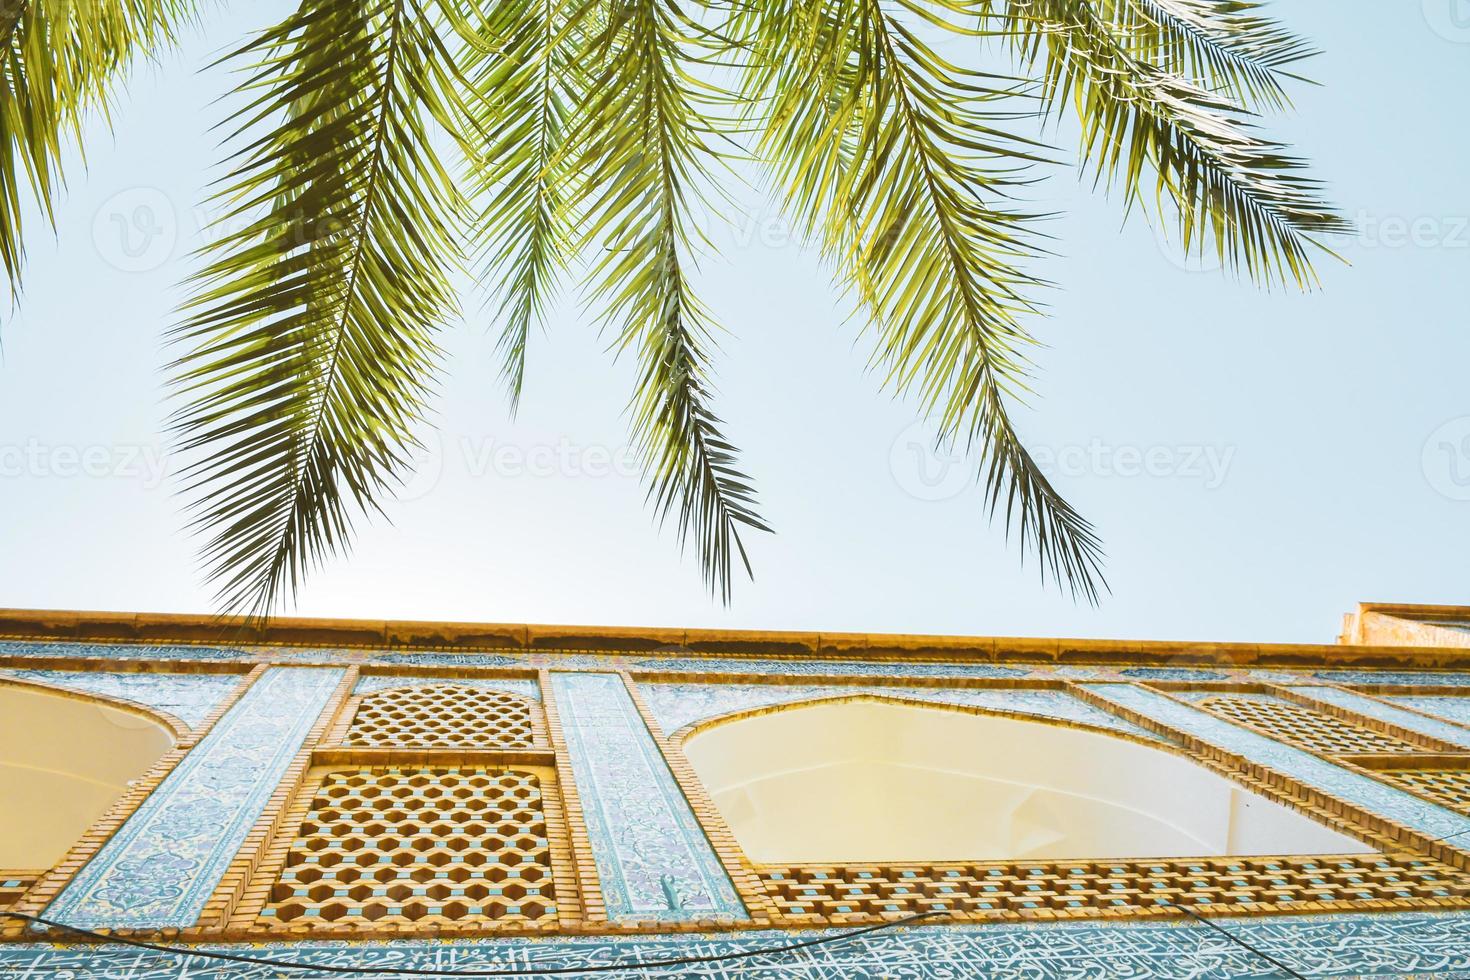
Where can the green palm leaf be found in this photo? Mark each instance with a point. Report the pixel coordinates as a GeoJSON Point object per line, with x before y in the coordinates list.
{"type": "Point", "coordinates": [58, 61]}
{"type": "Point", "coordinates": [527, 78]}
{"type": "Point", "coordinates": [1162, 136]}
{"type": "Point", "coordinates": [641, 145]}
{"type": "Point", "coordinates": [310, 340]}
{"type": "Point", "coordinates": [902, 164]}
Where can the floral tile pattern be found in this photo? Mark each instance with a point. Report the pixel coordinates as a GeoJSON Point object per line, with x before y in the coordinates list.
{"type": "Point", "coordinates": [652, 856]}
{"type": "Point", "coordinates": [1338, 946]}
{"type": "Point", "coordinates": [1374, 708]}
{"type": "Point", "coordinates": [1437, 678]}
{"type": "Point", "coordinates": [158, 870]}
{"type": "Point", "coordinates": [1370, 794]}
{"type": "Point", "coordinates": [810, 668]}
{"type": "Point", "coordinates": [1172, 674]}
{"type": "Point", "coordinates": [120, 651]}
{"type": "Point", "coordinates": [676, 704]}
{"type": "Point", "coordinates": [191, 698]}
{"type": "Point", "coordinates": [520, 687]}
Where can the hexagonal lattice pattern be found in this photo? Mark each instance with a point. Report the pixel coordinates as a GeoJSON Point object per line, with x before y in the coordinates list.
{"type": "Point", "coordinates": [424, 846]}
{"type": "Point", "coordinates": [1448, 786]}
{"type": "Point", "coordinates": [444, 715]}
{"type": "Point", "coordinates": [811, 893]}
{"type": "Point", "coordinates": [1313, 730]}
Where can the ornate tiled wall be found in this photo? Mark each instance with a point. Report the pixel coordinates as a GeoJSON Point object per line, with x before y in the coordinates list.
{"type": "Point", "coordinates": [161, 867]}
{"type": "Point", "coordinates": [580, 814]}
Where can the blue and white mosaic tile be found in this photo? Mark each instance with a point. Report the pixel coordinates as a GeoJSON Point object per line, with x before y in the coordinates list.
{"type": "Point", "coordinates": [119, 651]}
{"type": "Point", "coordinates": [1370, 794]}
{"type": "Point", "coordinates": [191, 698]}
{"type": "Point", "coordinates": [159, 869]}
{"type": "Point", "coordinates": [1339, 946]}
{"type": "Point", "coordinates": [652, 856]}
{"type": "Point", "coordinates": [1456, 709]}
{"type": "Point", "coordinates": [446, 659]}
{"type": "Point", "coordinates": [520, 687]}
{"type": "Point", "coordinates": [675, 704]}
{"type": "Point", "coordinates": [818, 668]}
{"type": "Point", "coordinates": [1173, 674]}
{"type": "Point", "coordinates": [1427, 678]}
{"type": "Point", "coordinates": [1375, 708]}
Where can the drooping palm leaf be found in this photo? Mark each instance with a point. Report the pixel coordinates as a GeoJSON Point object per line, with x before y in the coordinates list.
{"type": "Point", "coordinates": [1160, 136]}
{"type": "Point", "coordinates": [527, 80]}
{"type": "Point", "coordinates": [641, 145]}
{"type": "Point", "coordinates": [903, 165]}
{"type": "Point", "coordinates": [310, 340]}
{"type": "Point", "coordinates": [58, 61]}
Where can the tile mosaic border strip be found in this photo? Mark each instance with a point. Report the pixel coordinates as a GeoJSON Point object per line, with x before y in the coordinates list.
{"type": "Point", "coordinates": [162, 865]}
{"type": "Point", "coordinates": [1382, 711]}
{"type": "Point", "coordinates": [191, 698]}
{"type": "Point", "coordinates": [653, 859]}
{"type": "Point", "coordinates": [1338, 946]}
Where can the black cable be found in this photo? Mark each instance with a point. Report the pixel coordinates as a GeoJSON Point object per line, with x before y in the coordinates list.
{"type": "Point", "coordinates": [1238, 941]}
{"type": "Point", "coordinates": [541, 971]}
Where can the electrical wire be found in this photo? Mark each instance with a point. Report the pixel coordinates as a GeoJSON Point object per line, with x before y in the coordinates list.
{"type": "Point", "coordinates": [1239, 942]}
{"type": "Point", "coordinates": [538, 972]}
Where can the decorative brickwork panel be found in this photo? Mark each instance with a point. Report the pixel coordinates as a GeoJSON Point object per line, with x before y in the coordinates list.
{"type": "Point", "coordinates": [1314, 730]}
{"type": "Point", "coordinates": [420, 847]}
{"type": "Point", "coordinates": [14, 884]}
{"type": "Point", "coordinates": [811, 893]}
{"type": "Point", "coordinates": [1450, 787]}
{"type": "Point", "coordinates": [448, 715]}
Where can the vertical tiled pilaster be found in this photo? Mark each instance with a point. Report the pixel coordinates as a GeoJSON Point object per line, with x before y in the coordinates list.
{"type": "Point", "coordinates": [232, 887]}
{"type": "Point", "coordinates": [654, 862]}
{"type": "Point", "coordinates": [741, 872]}
{"type": "Point", "coordinates": [159, 869]}
{"type": "Point", "coordinates": [574, 865]}
{"type": "Point", "coordinates": [53, 881]}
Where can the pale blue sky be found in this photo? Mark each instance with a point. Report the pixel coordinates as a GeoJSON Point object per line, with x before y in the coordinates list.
{"type": "Point", "coordinates": [1256, 463]}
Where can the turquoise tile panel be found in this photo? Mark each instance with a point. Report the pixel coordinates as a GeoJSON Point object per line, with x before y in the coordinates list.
{"type": "Point", "coordinates": [161, 866]}
{"type": "Point", "coordinates": [652, 856]}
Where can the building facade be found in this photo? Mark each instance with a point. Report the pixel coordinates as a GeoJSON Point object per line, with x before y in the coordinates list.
{"type": "Point", "coordinates": [538, 800]}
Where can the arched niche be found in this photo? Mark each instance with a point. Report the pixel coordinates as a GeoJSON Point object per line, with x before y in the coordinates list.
{"type": "Point", "coordinates": [64, 759]}
{"type": "Point", "coordinates": [881, 781]}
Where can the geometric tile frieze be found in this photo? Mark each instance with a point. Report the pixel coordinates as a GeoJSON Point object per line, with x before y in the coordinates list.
{"type": "Point", "coordinates": [653, 859]}
{"type": "Point", "coordinates": [158, 870]}
{"type": "Point", "coordinates": [445, 715]}
{"type": "Point", "coordinates": [419, 847]}
{"type": "Point", "coordinates": [852, 893]}
{"type": "Point", "coordinates": [1369, 794]}
{"type": "Point", "coordinates": [1449, 707]}
{"type": "Point", "coordinates": [1375, 708]}
{"type": "Point", "coordinates": [510, 685]}
{"type": "Point", "coordinates": [1311, 729]}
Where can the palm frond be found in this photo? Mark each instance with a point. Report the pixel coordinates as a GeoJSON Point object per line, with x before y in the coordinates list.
{"type": "Point", "coordinates": [1162, 136]}
{"type": "Point", "coordinates": [527, 81]}
{"type": "Point", "coordinates": [640, 148]}
{"type": "Point", "coordinates": [57, 63]}
{"type": "Point", "coordinates": [903, 162]}
{"type": "Point", "coordinates": [309, 342]}
{"type": "Point", "coordinates": [1228, 47]}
